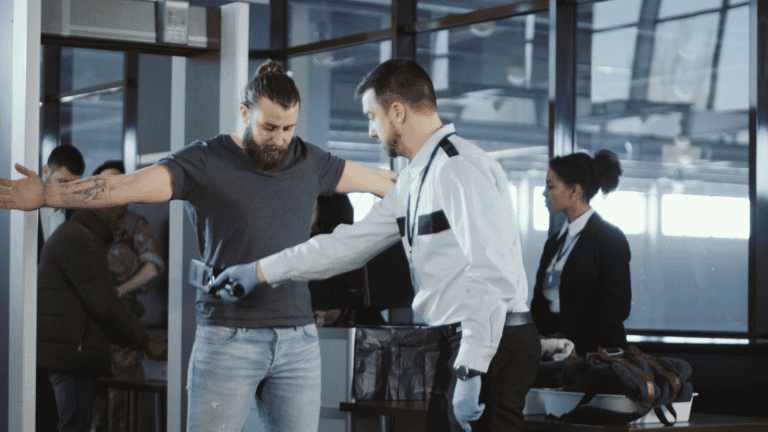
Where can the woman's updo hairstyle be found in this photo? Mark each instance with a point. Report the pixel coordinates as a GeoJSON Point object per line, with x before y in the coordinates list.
{"type": "Point", "coordinates": [592, 174]}
{"type": "Point", "coordinates": [271, 81]}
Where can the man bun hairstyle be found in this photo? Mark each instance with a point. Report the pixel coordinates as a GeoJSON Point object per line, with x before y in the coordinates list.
{"type": "Point", "coordinates": [592, 174]}
{"type": "Point", "coordinates": [403, 79]}
{"type": "Point", "coordinates": [69, 157]}
{"type": "Point", "coordinates": [271, 82]}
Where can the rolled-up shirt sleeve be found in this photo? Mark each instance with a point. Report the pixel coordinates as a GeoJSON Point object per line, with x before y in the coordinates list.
{"type": "Point", "coordinates": [349, 247]}
{"type": "Point", "coordinates": [470, 194]}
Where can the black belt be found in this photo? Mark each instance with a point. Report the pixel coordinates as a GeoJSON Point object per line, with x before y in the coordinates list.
{"type": "Point", "coordinates": [513, 319]}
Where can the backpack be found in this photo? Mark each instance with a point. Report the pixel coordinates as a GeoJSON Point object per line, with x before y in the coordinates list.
{"type": "Point", "coordinates": [650, 382]}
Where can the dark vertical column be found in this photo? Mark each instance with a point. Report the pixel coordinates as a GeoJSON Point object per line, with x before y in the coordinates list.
{"type": "Point", "coordinates": [278, 26]}
{"type": "Point", "coordinates": [716, 55]}
{"type": "Point", "coordinates": [403, 45]}
{"type": "Point", "coordinates": [758, 169]}
{"type": "Point", "coordinates": [646, 40]}
{"type": "Point", "coordinates": [130, 111]}
{"type": "Point", "coordinates": [65, 111]}
{"type": "Point", "coordinates": [562, 83]}
{"type": "Point", "coordinates": [50, 112]}
{"type": "Point", "coordinates": [562, 77]}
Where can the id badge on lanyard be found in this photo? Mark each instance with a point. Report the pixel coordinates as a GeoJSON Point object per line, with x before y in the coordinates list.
{"type": "Point", "coordinates": [552, 279]}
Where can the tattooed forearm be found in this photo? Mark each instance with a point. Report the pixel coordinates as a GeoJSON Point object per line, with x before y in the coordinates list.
{"type": "Point", "coordinates": [85, 191]}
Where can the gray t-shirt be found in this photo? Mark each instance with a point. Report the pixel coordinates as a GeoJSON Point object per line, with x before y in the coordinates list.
{"type": "Point", "coordinates": [243, 214]}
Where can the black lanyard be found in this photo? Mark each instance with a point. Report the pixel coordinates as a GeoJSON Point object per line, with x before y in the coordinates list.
{"type": "Point", "coordinates": [411, 229]}
{"type": "Point", "coordinates": [562, 251]}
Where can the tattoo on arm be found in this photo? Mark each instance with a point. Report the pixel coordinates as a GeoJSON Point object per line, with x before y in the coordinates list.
{"type": "Point", "coordinates": [92, 189]}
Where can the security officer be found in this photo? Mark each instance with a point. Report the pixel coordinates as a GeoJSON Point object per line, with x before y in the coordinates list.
{"type": "Point", "coordinates": [452, 210]}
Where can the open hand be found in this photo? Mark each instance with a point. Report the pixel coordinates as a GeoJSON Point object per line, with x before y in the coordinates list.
{"type": "Point", "coordinates": [23, 194]}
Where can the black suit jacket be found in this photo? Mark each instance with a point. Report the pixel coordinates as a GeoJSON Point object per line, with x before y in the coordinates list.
{"type": "Point", "coordinates": [595, 289]}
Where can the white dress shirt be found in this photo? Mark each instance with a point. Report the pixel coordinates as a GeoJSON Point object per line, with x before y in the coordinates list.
{"type": "Point", "coordinates": [466, 260]}
{"type": "Point", "coordinates": [51, 218]}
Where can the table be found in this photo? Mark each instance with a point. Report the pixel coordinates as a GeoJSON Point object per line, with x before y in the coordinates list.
{"type": "Point", "coordinates": [412, 416]}
{"type": "Point", "coordinates": [133, 388]}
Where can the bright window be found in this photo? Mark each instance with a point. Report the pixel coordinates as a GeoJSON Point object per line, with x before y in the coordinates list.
{"type": "Point", "coordinates": [625, 209]}
{"type": "Point", "coordinates": [540, 212]}
{"type": "Point", "coordinates": [362, 204]}
{"type": "Point", "coordinates": [704, 216]}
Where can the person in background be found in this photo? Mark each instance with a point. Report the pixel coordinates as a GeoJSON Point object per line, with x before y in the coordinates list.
{"type": "Point", "coordinates": [359, 296]}
{"type": "Point", "coordinates": [134, 261]}
{"type": "Point", "coordinates": [65, 164]}
{"type": "Point", "coordinates": [335, 300]}
{"type": "Point", "coordinates": [79, 314]}
{"type": "Point", "coordinates": [583, 290]}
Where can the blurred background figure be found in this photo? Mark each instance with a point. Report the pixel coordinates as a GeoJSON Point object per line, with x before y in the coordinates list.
{"type": "Point", "coordinates": [64, 164]}
{"type": "Point", "coordinates": [79, 314]}
{"type": "Point", "coordinates": [360, 296]}
{"type": "Point", "coordinates": [133, 260]}
{"type": "Point", "coordinates": [583, 290]}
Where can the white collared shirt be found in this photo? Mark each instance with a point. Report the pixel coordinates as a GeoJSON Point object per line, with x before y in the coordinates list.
{"type": "Point", "coordinates": [466, 259]}
{"type": "Point", "coordinates": [51, 218]}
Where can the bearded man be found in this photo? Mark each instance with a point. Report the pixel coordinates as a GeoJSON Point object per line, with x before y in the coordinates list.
{"type": "Point", "coordinates": [250, 195]}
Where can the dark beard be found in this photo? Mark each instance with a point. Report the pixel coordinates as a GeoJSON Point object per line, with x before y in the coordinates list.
{"type": "Point", "coordinates": [266, 157]}
{"type": "Point", "coordinates": [391, 146]}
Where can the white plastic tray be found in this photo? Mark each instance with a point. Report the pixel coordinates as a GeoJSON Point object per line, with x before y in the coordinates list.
{"type": "Point", "coordinates": [557, 403]}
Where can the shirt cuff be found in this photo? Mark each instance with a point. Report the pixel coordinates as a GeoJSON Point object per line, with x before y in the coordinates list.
{"type": "Point", "coordinates": [474, 357]}
{"type": "Point", "coordinates": [273, 270]}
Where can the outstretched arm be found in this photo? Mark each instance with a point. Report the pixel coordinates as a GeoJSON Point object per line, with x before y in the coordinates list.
{"type": "Point", "coordinates": [360, 178]}
{"type": "Point", "coordinates": [149, 185]}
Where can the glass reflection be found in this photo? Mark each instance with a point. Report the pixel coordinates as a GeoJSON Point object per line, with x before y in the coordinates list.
{"type": "Point", "coordinates": [673, 104]}
{"type": "Point", "coordinates": [492, 83]}
{"type": "Point", "coordinates": [318, 20]}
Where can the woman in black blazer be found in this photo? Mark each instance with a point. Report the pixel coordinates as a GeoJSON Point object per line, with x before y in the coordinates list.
{"type": "Point", "coordinates": [583, 289]}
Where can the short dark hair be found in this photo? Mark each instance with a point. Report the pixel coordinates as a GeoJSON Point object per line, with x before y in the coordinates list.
{"type": "Point", "coordinates": [110, 164]}
{"type": "Point", "coordinates": [272, 82]}
{"type": "Point", "coordinates": [592, 174]}
{"type": "Point", "coordinates": [402, 78]}
{"type": "Point", "coordinates": [69, 157]}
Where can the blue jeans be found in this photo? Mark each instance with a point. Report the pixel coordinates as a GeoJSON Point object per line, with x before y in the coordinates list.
{"type": "Point", "coordinates": [278, 367]}
{"type": "Point", "coordinates": [74, 400]}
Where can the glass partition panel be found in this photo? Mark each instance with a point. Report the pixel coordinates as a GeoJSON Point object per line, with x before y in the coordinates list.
{"type": "Point", "coordinates": [432, 9]}
{"type": "Point", "coordinates": [318, 20]}
{"type": "Point", "coordinates": [493, 86]}
{"type": "Point", "coordinates": [673, 105]}
{"type": "Point", "coordinates": [330, 115]}
{"type": "Point", "coordinates": [96, 127]}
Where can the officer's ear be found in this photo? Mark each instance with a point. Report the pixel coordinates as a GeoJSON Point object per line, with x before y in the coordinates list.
{"type": "Point", "coordinates": [398, 112]}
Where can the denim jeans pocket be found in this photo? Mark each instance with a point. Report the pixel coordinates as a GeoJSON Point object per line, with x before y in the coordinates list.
{"type": "Point", "coordinates": [216, 334]}
{"type": "Point", "coordinates": [310, 331]}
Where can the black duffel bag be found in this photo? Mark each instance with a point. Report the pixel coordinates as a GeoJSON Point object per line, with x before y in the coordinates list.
{"type": "Point", "coordinates": [394, 362]}
{"type": "Point", "coordinates": [650, 382]}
